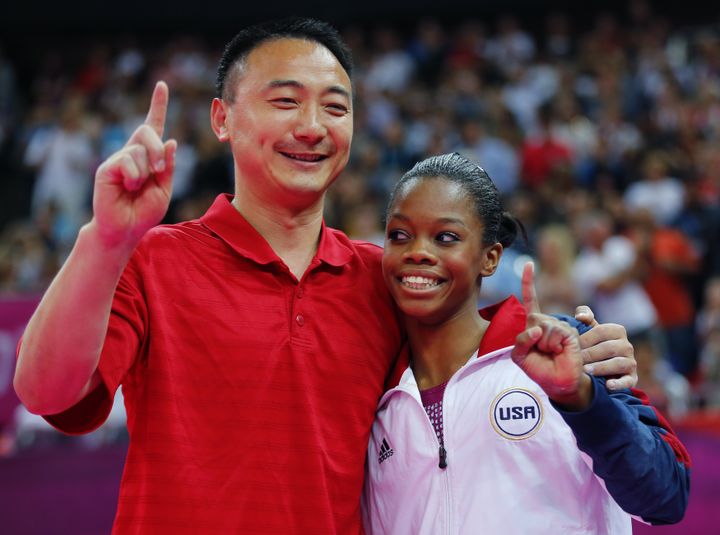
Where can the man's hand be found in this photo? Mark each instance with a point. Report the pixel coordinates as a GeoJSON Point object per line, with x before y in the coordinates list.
{"type": "Point", "coordinates": [134, 185]}
{"type": "Point", "coordinates": [607, 352]}
{"type": "Point", "coordinates": [548, 351]}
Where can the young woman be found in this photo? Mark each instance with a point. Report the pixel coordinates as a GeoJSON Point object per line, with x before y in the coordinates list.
{"type": "Point", "coordinates": [494, 427]}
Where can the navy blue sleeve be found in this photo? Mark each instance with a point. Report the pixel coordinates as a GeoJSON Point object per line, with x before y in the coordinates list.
{"type": "Point", "coordinates": [644, 465]}
{"type": "Point", "coordinates": [581, 327]}
{"type": "Point", "coordinates": [634, 450]}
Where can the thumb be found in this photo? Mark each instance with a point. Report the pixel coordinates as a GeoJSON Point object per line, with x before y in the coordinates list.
{"type": "Point", "coordinates": [584, 314]}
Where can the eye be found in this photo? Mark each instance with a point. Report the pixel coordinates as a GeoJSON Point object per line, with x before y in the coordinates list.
{"type": "Point", "coordinates": [447, 237]}
{"type": "Point", "coordinates": [397, 235]}
{"type": "Point", "coordinates": [284, 103]}
{"type": "Point", "coordinates": [337, 109]}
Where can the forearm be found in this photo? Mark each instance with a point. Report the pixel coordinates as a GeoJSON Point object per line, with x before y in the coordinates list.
{"type": "Point", "coordinates": [643, 464]}
{"type": "Point", "coordinates": [62, 343]}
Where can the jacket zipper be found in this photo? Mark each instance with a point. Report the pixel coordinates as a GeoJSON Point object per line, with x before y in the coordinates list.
{"type": "Point", "coordinates": [443, 457]}
{"type": "Point", "coordinates": [442, 464]}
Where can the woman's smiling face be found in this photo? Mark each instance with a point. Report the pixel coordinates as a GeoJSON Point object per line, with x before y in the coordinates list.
{"type": "Point", "coordinates": [434, 257]}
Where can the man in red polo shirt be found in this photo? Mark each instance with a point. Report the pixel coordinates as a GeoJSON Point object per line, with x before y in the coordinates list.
{"type": "Point", "coordinates": [252, 344]}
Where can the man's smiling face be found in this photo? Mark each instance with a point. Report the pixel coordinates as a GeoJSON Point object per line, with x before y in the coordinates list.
{"type": "Point", "coordinates": [288, 121]}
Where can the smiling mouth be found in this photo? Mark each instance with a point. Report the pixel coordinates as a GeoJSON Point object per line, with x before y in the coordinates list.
{"type": "Point", "coordinates": [311, 158]}
{"type": "Point", "coordinates": [415, 282]}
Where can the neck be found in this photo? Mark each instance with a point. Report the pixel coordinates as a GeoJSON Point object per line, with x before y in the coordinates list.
{"type": "Point", "coordinates": [292, 232]}
{"type": "Point", "coordinates": [438, 351]}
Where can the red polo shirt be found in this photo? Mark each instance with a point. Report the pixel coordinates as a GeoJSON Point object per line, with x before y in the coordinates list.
{"type": "Point", "coordinates": [250, 395]}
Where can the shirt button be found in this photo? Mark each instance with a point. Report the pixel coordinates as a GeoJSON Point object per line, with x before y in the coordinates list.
{"type": "Point", "coordinates": [299, 293]}
{"type": "Point", "coordinates": [300, 320]}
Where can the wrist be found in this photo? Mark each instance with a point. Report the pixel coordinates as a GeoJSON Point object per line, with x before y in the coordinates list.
{"type": "Point", "coordinates": [110, 245]}
{"type": "Point", "coordinates": [580, 399]}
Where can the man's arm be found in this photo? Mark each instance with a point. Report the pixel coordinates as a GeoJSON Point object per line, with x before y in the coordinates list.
{"type": "Point", "coordinates": [61, 347]}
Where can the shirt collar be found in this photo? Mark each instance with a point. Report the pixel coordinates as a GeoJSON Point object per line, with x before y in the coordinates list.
{"type": "Point", "coordinates": [224, 220]}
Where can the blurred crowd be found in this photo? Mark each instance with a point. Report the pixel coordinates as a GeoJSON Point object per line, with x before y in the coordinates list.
{"type": "Point", "coordinates": [604, 142]}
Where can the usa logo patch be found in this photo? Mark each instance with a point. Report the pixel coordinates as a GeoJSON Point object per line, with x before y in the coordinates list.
{"type": "Point", "coordinates": [516, 414]}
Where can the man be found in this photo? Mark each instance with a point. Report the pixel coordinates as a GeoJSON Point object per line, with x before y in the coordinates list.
{"type": "Point", "coordinates": [252, 344]}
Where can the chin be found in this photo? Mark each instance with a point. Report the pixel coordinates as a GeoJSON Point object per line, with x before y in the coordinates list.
{"type": "Point", "coordinates": [418, 314]}
{"type": "Point", "coordinates": [301, 184]}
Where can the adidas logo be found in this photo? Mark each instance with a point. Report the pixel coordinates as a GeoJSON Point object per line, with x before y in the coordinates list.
{"type": "Point", "coordinates": [385, 451]}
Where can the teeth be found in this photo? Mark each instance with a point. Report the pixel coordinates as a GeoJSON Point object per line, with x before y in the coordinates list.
{"type": "Point", "coordinates": [419, 283]}
{"type": "Point", "coordinates": [305, 158]}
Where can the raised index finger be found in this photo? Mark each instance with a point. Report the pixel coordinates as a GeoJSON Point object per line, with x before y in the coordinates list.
{"type": "Point", "coordinates": [530, 299]}
{"type": "Point", "coordinates": [158, 108]}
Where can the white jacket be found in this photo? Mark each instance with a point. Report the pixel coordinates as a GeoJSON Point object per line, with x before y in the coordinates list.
{"type": "Point", "coordinates": [513, 466]}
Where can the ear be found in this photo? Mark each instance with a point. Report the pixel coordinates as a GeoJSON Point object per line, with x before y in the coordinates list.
{"type": "Point", "coordinates": [218, 119]}
{"type": "Point", "coordinates": [490, 259]}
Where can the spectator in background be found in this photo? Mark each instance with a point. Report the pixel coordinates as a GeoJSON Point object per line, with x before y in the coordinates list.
{"type": "Point", "coordinates": [392, 66]}
{"type": "Point", "coordinates": [700, 218]}
{"type": "Point", "coordinates": [512, 47]}
{"type": "Point", "coordinates": [607, 274]}
{"type": "Point", "coordinates": [364, 222]}
{"type": "Point", "coordinates": [543, 155]}
{"type": "Point", "coordinates": [555, 257]}
{"type": "Point", "coordinates": [418, 129]}
{"type": "Point", "coordinates": [570, 127]}
{"type": "Point", "coordinates": [667, 261]}
{"type": "Point", "coordinates": [428, 50]}
{"type": "Point", "coordinates": [27, 264]}
{"type": "Point", "coordinates": [620, 140]}
{"type": "Point", "coordinates": [708, 328]}
{"type": "Point", "coordinates": [559, 38]}
{"type": "Point", "coordinates": [394, 156]}
{"type": "Point", "coordinates": [656, 191]}
{"type": "Point", "coordinates": [493, 154]}
{"type": "Point", "coordinates": [63, 156]}
{"type": "Point", "coordinates": [468, 47]}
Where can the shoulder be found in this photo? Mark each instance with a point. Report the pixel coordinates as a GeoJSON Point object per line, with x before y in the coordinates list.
{"type": "Point", "coordinates": [176, 235]}
{"type": "Point", "coordinates": [174, 230]}
{"type": "Point", "coordinates": [364, 250]}
{"type": "Point", "coordinates": [171, 244]}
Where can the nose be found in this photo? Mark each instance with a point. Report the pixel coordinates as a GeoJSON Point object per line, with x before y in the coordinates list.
{"type": "Point", "coordinates": [419, 251]}
{"type": "Point", "coordinates": [309, 127]}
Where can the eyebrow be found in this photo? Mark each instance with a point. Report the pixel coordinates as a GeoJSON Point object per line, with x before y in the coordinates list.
{"type": "Point", "coordinates": [336, 89]}
{"type": "Point", "coordinates": [444, 220]}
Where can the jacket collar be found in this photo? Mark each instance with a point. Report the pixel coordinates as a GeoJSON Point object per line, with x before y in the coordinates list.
{"type": "Point", "coordinates": [507, 319]}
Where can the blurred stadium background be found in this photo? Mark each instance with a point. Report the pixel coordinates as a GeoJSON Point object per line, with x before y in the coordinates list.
{"type": "Point", "coordinates": [599, 122]}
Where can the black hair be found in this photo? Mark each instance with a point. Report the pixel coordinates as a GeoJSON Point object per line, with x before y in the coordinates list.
{"type": "Point", "coordinates": [237, 50]}
{"type": "Point", "coordinates": [499, 226]}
